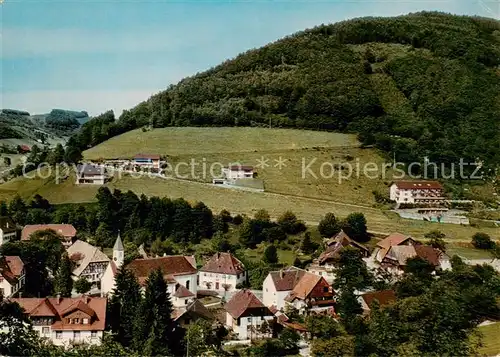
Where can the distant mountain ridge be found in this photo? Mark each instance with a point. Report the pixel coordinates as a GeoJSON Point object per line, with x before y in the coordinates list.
{"type": "Point", "coordinates": [52, 127]}
{"type": "Point", "coordinates": [420, 85]}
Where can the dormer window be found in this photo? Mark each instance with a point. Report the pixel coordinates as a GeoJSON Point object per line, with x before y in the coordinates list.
{"type": "Point", "coordinates": [85, 321]}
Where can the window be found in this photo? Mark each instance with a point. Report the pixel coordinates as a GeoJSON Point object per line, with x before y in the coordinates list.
{"type": "Point", "coordinates": [185, 302]}
{"type": "Point", "coordinates": [325, 289]}
{"type": "Point", "coordinates": [249, 319]}
{"type": "Point", "coordinates": [76, 335]}
{"type": "Point", "coordinates": [58, 334]}
{"type": "Point", "coordinates": [85, 321]}
{"type": "Point", "coordinates": [204, 274]}
{"type": "Point", "coordinates": [45, 330]}
{"type": "Point", "coordinates": [237, 276]}
{"type": "Point", "coordinates": [2, 291]}
{"type": "Point", "coordinates": [93, 334]}
{"type": "Point", "coordinates": [187, 284]}
{"type": "Point", "coordinates": [217, 285]}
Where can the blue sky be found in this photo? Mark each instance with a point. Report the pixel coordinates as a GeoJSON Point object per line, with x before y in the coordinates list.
{"type": "Point", "coordinates": [96, 55]}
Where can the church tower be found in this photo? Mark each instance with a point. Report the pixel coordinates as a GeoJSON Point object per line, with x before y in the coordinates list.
{"type": "Point", "coordinates": [118, 252]}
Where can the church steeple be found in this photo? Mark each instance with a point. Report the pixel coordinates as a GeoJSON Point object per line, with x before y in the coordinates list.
{"type": "Point", "coordinates": [118, 251]}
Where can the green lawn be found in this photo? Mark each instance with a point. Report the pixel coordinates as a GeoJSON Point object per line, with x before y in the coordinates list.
{"type": "Point", "coordinates": [467, 252]}
{"type": "Point", "coordinates": [491, 339]}
{"type": "Point", "coordinates": [189, 140]}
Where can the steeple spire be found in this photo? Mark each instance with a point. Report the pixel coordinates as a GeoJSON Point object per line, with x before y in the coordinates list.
{"type": "Point", "coordinates": [118, 251]}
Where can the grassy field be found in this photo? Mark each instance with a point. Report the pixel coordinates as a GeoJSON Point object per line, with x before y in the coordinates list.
{"type": "Point", "coordinates": [468, 252]}
{"type": "Point", "coordinates": [188, 140]}
{"type": "Point", "coordinates": [491, 339]}
{"type": "Point", "coordinates": [307, 193]}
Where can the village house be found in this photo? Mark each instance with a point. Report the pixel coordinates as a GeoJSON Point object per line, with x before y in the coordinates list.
{"type": "Point", "coordinates": [66, 231]}
{"type": "Point", "coordinates": [12, 275]}
{"type": "Point", "coordinates": [8, 230]}
{"type": "Point", "coordinates": [177, 270]}
{"type": "Point", "coordinates": [278, 284]}
{"type": "Point", "coordinates": [192, 312]}
{"type": "Point", "coordinates": [397, 256]}
{"type": "Point", "coordinates": [324, 265]}
{"type": "Point", "coordinates": [311, 293]}
{"type": "Point", "coordinates": [245, 314]}
{"type": "Point", "coordinates": [417, 192]}
{"type": "Point", "coordinates": [89, 262]}
{"type": "Point", "coordinates": [383, 297]}
{"type": "Point", "coordinates": [90, 174]}
{"type": "Point", "coordinates": [67, 321]}
{"type": "Point", "coordinates": [147, 161]}
{"type": "Point", "coordinates": [222, 272]}
{"type": "Point", "coordinates": [181, 296]}
{"type": "Point", "coordinates": [391, 240]}
{"type": "Point", "coordinates": [234, 172]}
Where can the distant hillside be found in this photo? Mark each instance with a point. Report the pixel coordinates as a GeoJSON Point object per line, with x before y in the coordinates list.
{"type": "Point", "coordinates": [18, 127]}
{"type": "Point", "coordinates": [425, 84]}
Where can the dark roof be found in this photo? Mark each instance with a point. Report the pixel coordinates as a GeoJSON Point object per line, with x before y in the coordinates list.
{"type": "Point", "coordinates": [195, 309]}
{"type": "Point", "coordinates": [245, 301]}
{"type": "Point", "coordinates": [418, 185]}
{"type": "Point", "coordinates": [285, 280]}
{"type": "Point", "coordinates": [169, 265]}
{"type": "Point", "coordinates": [7, 224]}
{"type": "Point", "coordinates": [384, 297]}
{"type": "Point", "coordinates": [428, 253]}
{"type": "Point", "coordinates": [336, 244]}
{"type": "Point", "coordinates": [89, 170]}
{"type": "Point", "coordinates": [224, 263]}
{"type": "Point", "coordinates": [11, 267]}
{"type": "Point", "coordinates": [182, 292]}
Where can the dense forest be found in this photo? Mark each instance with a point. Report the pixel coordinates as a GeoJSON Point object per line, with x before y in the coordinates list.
{"type": "Point", "coordinates": [424, 84]}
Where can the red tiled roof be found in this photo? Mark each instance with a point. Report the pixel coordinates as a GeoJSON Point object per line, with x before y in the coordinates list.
{"type": "Point", "coordinates": [182, 292]}
{"type": "Point", "coordinates": [66, 230]}
{"type": "Point", "coordinates": [243, 302]}
{"type": "Point", "coordinates": [304, 287]}
{"type": "Point", "coordinates": [223, 263]}
{"type": "Point", "coordinates": [51, 307]}
{"type": "Point", "coordinates": [384, 297]}
{"type": "Point", "coordinates": [147, 156]}
{"type": "Point", "coordinates": [170, 266]}
{"type": "Point", "coordinates": [285, 280]}
{"type": "Point", "coordinates": [392, 239]}
{"type": "Point", "coordinates": [336, 244]}
{"type": "Point", "coordinates": [428, 253]}
{"type": "Point", "coordinates": [418, 185]}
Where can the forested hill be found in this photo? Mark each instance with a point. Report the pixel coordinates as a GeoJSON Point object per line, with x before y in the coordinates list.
{"type": "Point", "coordinates": [425, 84]}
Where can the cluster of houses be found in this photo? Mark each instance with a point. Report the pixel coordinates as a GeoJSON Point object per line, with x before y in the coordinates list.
{"type": "Point", "coordinates": [96, 173]}
{"type": "Point", "coordinates": [307, 291]}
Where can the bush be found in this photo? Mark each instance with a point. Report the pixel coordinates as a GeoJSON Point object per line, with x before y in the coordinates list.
{"type": "Point", "coordinates": [482, 240]}
{"type": "Point", "coordinates": [328, 226]}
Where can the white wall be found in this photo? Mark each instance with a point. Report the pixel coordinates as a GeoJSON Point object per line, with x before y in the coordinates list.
{"type": "Point", "coordinates": [183, 279]}
{"type": "Point", "coordinates": [4, 238]}
{"type": "Point", "coordinates": [271, 296]}
{"type": "Point", "coordinates": [107, 281]}
{"type": "Point", "coordinates": [242, 330]}
{"type": "Point", "coordinates": [9, 290]}
{"type": "Point", "coordinates": [233, 175]}
{"type": "Point", "coordinates": [213, 278]}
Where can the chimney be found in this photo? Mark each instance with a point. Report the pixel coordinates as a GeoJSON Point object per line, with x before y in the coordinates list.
{"type": "Point", "coordinates": [58, 299]}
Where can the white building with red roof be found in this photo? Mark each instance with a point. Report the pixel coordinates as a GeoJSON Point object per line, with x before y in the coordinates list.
{"type": "Point", "coordinates": [417, 192]}
{"type": "Point", "coordinates": [177, 270]}
{"type": "Point", "coordinates": [245, 314]}
{"type": "Point", "coordinates": [12, 275]}
{"type": "Point", "coordinates": [278, 284]}
{"type": "Point", "coordinates": [222, 272]}
{"type": "Point", "coordinates": [67, 321]}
